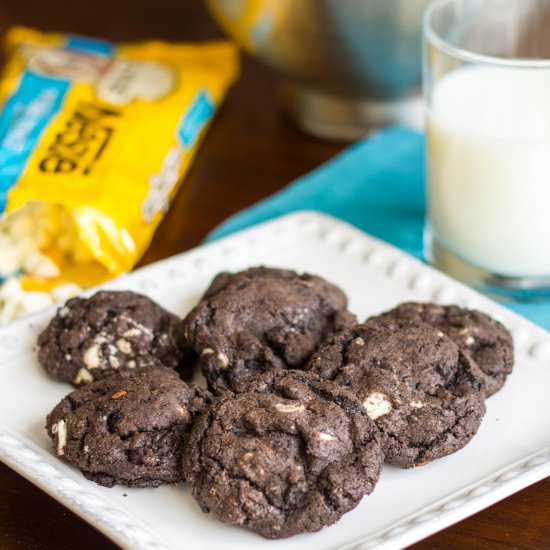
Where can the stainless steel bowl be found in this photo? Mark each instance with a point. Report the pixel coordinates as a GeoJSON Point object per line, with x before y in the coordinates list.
{"type": "Point", "coordinates": [348, 65]}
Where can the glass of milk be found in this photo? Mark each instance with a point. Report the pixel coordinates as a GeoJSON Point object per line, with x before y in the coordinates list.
{"type": "Point", "coordinates": [487, 90]}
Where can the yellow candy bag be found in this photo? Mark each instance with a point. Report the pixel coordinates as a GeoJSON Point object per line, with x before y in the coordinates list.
{"type": "Point", "coordinates": [94, 139]}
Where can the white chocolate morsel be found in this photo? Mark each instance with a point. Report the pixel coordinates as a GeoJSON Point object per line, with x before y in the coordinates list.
{"type": "Point", "coordinates": [137, 325]}
{"type": "Point", "coordinates": [247, 456]}
{"type": "Point", "coordinates": [359, 341]}
{"type": "Point", "coordinates": [416, 404]}
{"type": "Point", "coordinates": [223, 359]}
{"type": "Point", "coordinates": [83, 376]}
{"type": "Point", "coordinates": [470, 341]}
{"type": "Point", "coordinates": [377, 404]}
{"type": "Point", "coordinates": [63, 312]}
{"type": "Point", "coordinates": [326, 437]}
{"type": "Point", "coordinates": [440, 335]}
{"type": "Point", "coordinates": [92, 357]}
{"type": "Point", "coordinates": [131, 332]}
{"type": "Point", "coordinates": [60, 429]}
{"type": "Point", "coordinates": [131, 364]}
{"type": "Point", "coordinates": [114, 362]}
{"type": "Point", "coordinates": [207, 351]}
{"type": "Point", "coordinates": [124, 346]}
{"type": "Point", "coordinates": [290, 407]}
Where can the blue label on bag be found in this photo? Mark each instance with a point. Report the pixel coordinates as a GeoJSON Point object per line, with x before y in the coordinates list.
{"type": "Point", "coordinates": [89, 45]}
{"type": "Point", "coordinates": [23, 119]}
{"type": "Point", "coordinates": [195, 118]}
{"type": "Point", "coordinates": [29, 110]}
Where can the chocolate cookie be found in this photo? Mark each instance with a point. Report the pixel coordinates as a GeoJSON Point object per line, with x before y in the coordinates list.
{"type": "Point", "coordinates": [91, 338]}
{"type": "Point", "coordinates": [422, 392]}
{"type": "Point", "coordinates": [291, 454]}
{"type": "Point", "coordinates": [262, 319]}
{"type": "Point", "coordinates": [129, 428]}
{"type": "Point", "coordinates": [485, 340]}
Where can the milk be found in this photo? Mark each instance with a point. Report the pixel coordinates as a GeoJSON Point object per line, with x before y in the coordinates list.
{"type": "Point", "coordinates": [488, 132]}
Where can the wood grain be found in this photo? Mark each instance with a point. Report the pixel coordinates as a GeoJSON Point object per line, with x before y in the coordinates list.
{"type": "Point", "coordinates": [251, 151]}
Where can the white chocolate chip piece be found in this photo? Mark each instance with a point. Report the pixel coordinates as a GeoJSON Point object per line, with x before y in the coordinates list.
{"type": "Point", "coordinates": [131, 364]}
{"type": "Point", "coordinates": [181, 410]}
{"type": "Point", "coordinates": [131, 332]}
{"type": "Point", "coordinates": [470, 341]}
{"type": "Point", "coordinates": [359, 341]}
{"type": "Point", "coordinates": [223, 359]}
{"type": "Point", "coordinates": [141, 328]}
{"type": "Point", "coordinates": [377, 405]}
{"type": "Point", "coordinates": [416, 404]}
{"type": "Point", "coordinates": [207, 351]}
{"type": "Point", "coordinates": [440, 335]}
{"type": "Point", "coordinates": [92, 357]}
{"type": "Point", "coordinates": [83, 376]}
{"type": "Point", "coordinates": [326, 437]}
{"type": "Point", "coordinates": [289, 407]}
{"type": "Point", "coordinates": [63, 312]}
{"type": "Point", "coordinates": [124, 346]}
{"type": "Point", "coordinates": [60, 429]}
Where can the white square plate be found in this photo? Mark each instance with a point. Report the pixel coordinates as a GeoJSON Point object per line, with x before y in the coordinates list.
{"type": "Point", "coordinates": [510, 451]}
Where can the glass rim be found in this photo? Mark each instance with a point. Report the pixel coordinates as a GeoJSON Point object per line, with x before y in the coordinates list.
{"type": "Point", "coordinates": [432, 37]}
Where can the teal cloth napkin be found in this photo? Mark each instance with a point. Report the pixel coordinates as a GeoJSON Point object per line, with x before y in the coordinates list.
{"type": "Point", "coordinates": [377, 185]}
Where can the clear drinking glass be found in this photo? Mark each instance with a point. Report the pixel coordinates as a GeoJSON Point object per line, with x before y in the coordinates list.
{"type": "Point", "coordinates": [487, 91]}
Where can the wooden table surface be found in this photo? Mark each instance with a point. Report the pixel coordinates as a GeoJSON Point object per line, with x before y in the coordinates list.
{"type": "Point", "coordinates": [251, 151]}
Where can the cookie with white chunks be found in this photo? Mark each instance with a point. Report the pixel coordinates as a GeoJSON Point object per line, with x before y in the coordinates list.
{"type": "Point", "coordinates": [289, 455]}
{"type": "Point", "coordinates": [484, 339]}
{"type": "Point", "coordinates": [423, 393]}
{"type": "Point", "coordinates": [262, 319]}
{"type": "Point", "coordinates": [91, 338]}
{"type": "Point", "coordinates": [128, 429]}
